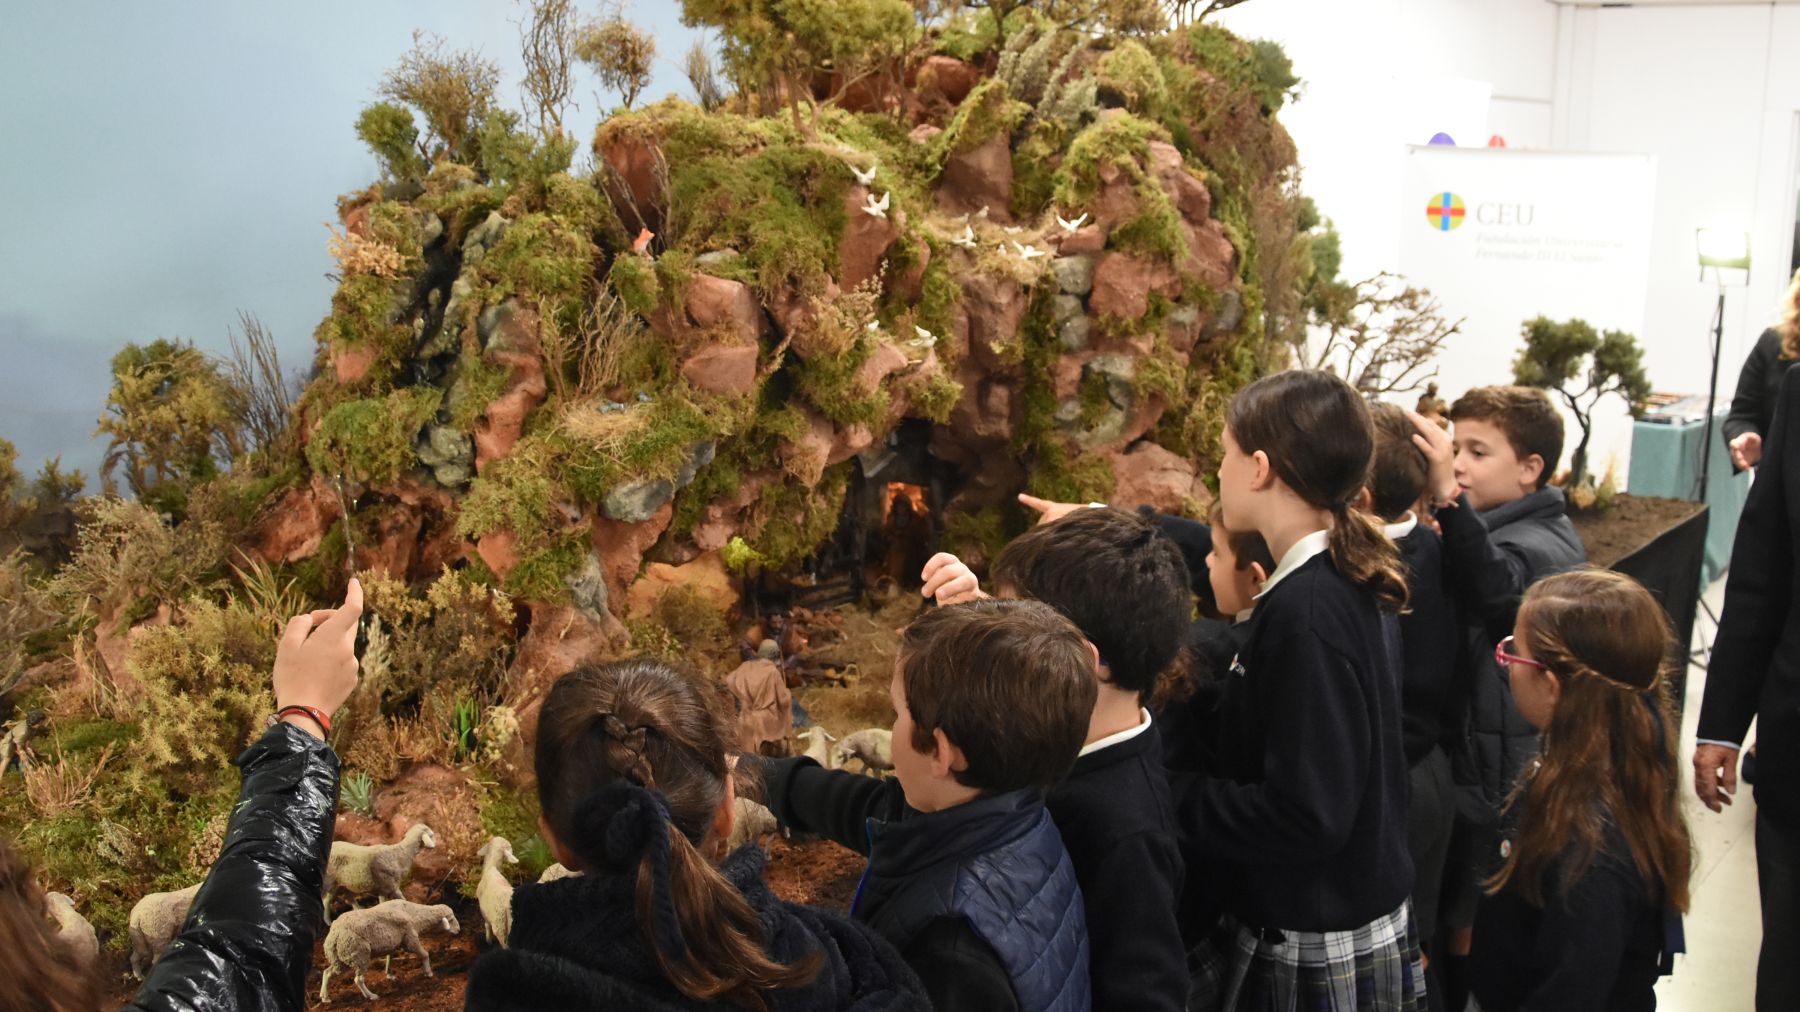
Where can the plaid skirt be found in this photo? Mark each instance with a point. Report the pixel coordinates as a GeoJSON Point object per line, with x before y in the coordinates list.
{"type": "Point", "coordinates": [1375, 968]}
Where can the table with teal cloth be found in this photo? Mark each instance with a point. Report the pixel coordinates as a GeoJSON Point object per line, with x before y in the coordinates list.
{"type": "Point", "coordinates": [1665, 461]}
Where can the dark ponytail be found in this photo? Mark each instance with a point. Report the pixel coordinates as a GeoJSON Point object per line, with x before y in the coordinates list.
{"type": "Point", "coordinates": [631, 769]}
{"type": "Point", "coordinates": [1319, 439]}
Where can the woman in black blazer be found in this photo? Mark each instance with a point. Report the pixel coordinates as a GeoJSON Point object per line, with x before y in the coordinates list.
{"type": "Point", "coordinates": [1753, 406]}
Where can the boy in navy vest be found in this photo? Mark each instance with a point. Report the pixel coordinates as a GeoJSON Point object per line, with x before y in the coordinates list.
{"type": "Point", "coordinates": [967, 876]}
{"type": "Point", "coordinates": [1125, 587]}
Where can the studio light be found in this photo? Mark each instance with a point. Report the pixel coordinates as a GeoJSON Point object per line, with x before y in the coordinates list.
{"type": "Point", "coordinates": [1721, 249]}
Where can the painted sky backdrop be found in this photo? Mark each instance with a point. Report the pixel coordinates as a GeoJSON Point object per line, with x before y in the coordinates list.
{"type": "Point", "coordinates": [170, 164]}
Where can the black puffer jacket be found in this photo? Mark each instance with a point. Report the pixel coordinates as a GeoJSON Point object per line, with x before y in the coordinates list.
{"type": "Point", "coordinates": [248, 941]}
{"type": "Point", "coordinates": [576, 945]}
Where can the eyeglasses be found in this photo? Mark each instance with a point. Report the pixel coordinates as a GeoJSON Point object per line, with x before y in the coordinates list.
{"type": "Point", "coordinates": [1505, 657]}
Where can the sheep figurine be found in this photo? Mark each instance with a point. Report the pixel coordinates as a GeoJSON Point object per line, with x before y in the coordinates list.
{"type": "Point", "coordinates": [555, 872]}
{"type": "Point", "coordinates": [494, 893]}
{"type": "Point", "coordinates": [153, 924]}
{"type": "Point", "coordinates": [750, 822]}
{"type": "Point", "coordinates": [818, 745]}
{"type": "Point", "coordinates": [356, 938]}
{"type": "Point", "coordinates": [374, 871]}
{"type": "Point", "coordinates": [73, 932]}
{"type": "Point", "coordinates": [874, 746]}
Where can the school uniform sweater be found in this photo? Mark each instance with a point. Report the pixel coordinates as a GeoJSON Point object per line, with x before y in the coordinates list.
{"type": "Point", "coordinates": [1594, 947]}
{"type": "Point", "coordinates": [1115, 817]}
{"type": "Point", "coordinates": [1305, 828]}
{"type": "Point", "coordinates": [1429, 634]}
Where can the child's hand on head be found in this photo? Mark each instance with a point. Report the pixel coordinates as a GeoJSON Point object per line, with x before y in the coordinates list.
{"type": "Point", "coordinates": [1049, 512]}
{"type": "Point", "coordinates": [950, 580]}
{"type": "Point", "coordinates": [1440, 454]}
{"type": "Point", "coordinates": [315, 662]}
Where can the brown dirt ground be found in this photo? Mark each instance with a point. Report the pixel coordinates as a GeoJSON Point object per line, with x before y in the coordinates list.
{"type": "Point", "coordinates": [1627, 525]}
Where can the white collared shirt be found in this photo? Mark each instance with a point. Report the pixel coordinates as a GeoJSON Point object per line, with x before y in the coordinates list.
{"type": "Point", "coordinates": [1396, 531]}
{"type": "Point", "coordinates": [1129, 733]}
{"type": "Point", "coordinates": [1297, 555]}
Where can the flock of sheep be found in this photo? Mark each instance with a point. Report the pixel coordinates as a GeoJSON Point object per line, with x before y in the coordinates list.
{"type": "Point", "coordinates": [361, 935]}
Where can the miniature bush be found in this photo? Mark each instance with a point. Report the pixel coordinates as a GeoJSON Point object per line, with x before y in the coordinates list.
{"type": "Point", "coordinates": [619, 53]}
{"type": "Point", "coordinates": [453, 91]}
{"type": "Point", "coordinates": [1556, 354]}
{"type": "Point", "coordinates": [389, 131]}
{"type": "Point", "coordinates": [205, 687]}
{"type": "Point", "coordinates": [372, 441]}
{"type": "Point", "coordinates": [172, 420]}
{"type": "Point", "coordinates": [128, 559]}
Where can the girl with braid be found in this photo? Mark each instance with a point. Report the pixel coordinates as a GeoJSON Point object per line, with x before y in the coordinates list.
{"type": "Point", "coordinates": [636, 791]}
{"type": "Point", "coordinates": [1585, 912]}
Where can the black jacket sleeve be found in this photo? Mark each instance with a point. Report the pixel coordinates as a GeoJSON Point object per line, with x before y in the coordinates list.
{"type": "Point", "coordinates": [1486, 579]}
{"type": "Point", "coordinates": [1135, 949]}
{"type": "Point", "coordinates": [961, 972]}
{"type": "Point", "coordinates": [1750, 407]}
{"type": "Point", "coordinates": [832, 803]}
{"type": "Point", "coordinates": [1757, 596]}
{"type": "Point", "coordinates": [248, 940]}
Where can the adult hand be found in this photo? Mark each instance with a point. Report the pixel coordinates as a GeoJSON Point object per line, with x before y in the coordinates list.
{"type": "Point", "coordinates": [1746, 450]}
{"type": "Point", "coordinates": [950, 580]}
{"type": "Point", "coordinates": [1715, 775]}
{"type": "Point", "coordinates": [1049, 512]}
{"type": "Point", "coordinates": [315, 662]}
{"type": "Point", "coordinates": [1440, 457]}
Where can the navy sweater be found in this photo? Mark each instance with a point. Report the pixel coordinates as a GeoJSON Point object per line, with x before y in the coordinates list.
{"type": "Point", "coordinates": [1305, 829]}
{"type": "Point", "coordinates": [1430, 630]}
{"type": "Point", "coordinates": [1114, 814]}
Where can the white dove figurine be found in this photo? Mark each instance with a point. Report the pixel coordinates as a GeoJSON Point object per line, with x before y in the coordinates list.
{"type": "Point", "coordinates": [862, 177]}
{"type": "Point", "coordinates": [1027, 252]}
{"type": "Point", "coordinates": [1012, 229]}
{"type": "Point", "coordinates": [967, 239]}
{"type": "Point", "coordinates": [1071, 226]}
{"type": "Point", "coordinates": [982, 214]}
{"type": "Point", "coordinates": [877, 208]}
{"type": "Point", "coordinates": [925, 339]}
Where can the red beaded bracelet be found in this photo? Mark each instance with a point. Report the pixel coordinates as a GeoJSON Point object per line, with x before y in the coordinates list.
{"type": "Point", "coordinates": [317, 715]}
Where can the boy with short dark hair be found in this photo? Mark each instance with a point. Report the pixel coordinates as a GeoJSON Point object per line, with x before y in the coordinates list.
{"type": "Point", "coordinates": [1126, 588]}
{"type": "Point", "coordinates": [1504, 528]}
{"type": "Point", "coordinates": [967, 876]}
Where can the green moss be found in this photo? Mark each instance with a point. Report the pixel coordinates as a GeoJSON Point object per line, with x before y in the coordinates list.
{"type": "Point", "coordinates": [790, 521]}
{"type": "Point", "coordinates": [986, 111]}
{"type": "Point", "coordinates": [513, 815]}
{"type": "Point", "coordinates": [830, 383]}
{"type": "Point", "coordinates": [512, 494]}
{"type": "Point", "coordinates": [634, 278]}
{"type": "Point", "coordinates": [933, 395]}
{"type": "Point", "coordinates": [372, 441]}
{"type": "Point", "coordinates": [1096, 401]}
{"type": "Point", "coordinates": [1034, 168]}
{"type": "Point", "coordinates": [477, 384]}
{"type": "Point", "coordinates": [1156, 231]}
{"type": "Point", "coordinates": [543, 258]}
{"type": "Point", "coordinates": [1131, 75]}
{"type": "Point", "coordinates": [542, 573]}
{"type": "Point", "coordinates": [978, 538]}
{"type": "Point", "coordinates": [581, 204]}
{"type": "Point", "coordinates": [938, 296]}
{"type": "Point", "coordinates": [969, 36]}
{"type": "Point", "coordinates": [1117, 138]}
{"type": "Point", "coordinates": [739, 557]}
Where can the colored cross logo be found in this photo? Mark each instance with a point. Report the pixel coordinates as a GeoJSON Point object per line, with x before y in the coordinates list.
{"type": "Point", "coordinates": [1445, 212]}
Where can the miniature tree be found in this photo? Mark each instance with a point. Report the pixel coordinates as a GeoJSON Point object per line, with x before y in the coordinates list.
{"type": "Point", "coordinates": [1379, 334]}
{"type": "Point", "coordinates": [1556, 354]}
{"type": "Point", "coordinates": [173, 420]}
{"type": "Point", "coordinates": [453, 91]}
{"type": "Point", "coordinates": [547, 45]}
{"type": "Point", "coordinates": [620, 54]}
{"type": "Point", "coordinates": [389, 131]}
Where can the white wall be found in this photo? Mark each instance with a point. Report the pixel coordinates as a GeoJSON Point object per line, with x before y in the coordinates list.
{"type": "Point", "coordinates": [1707, 89]}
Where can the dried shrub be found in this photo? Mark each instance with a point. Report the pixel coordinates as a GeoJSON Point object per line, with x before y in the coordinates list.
{"type": "Point", "coordinates": [357, 256]}
{"type": "Point", "coordinates": [59, 785]}
{"type": "Point", "coordinates": [129, 555]}
{"type": "Point", "coordinates": [547, 43]}
{"type": "Point", "coordinates": [205, 686]}
{"type": "Point", "coordinates": [25, 616]}
{"type": "Point", "coordinates": [620, 54]}
{"type": "Point", "coordinates": [453, 91]}
{"type": "Point", "coordinates": [263, 390]}
{"type": "Point", "coordinates": [1380, 334]}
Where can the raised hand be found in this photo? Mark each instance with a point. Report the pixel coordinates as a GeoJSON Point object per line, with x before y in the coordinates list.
{"type": "Point", "coordinates": [315, 662]}
{"type": "Point", "coordinates": [950, 580]}
{"type": "Point", "coordinates": [1049, 512]}
{"type": "Point", "coordinates": [1440, 455]}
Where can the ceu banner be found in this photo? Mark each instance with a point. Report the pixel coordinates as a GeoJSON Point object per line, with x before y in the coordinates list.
{"type": "Point", "coordinates": [1501, 236]}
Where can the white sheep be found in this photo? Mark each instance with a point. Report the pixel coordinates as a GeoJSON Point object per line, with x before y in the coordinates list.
{"type": "Point", "coordinates": [374, 871]}
{"type": "Point", "coordinates": [356, 938]}
{"type": "Point", "coordinates": [750, 821]}
{"type": "Point", "coordinates": [874, 746]}
{"type": "Point", "coordinates": [153, 924]}
{"type": "Point", "coordinates": [73, 932]}
{"type": "Point", "coordinates": [818, 745]}
{"type": "Point", "coordinates": [493, 893]}
{"type": "Point", "coordinates": [554, 872]}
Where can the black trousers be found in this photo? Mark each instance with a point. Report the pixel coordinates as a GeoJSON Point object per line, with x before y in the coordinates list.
{"type": "Point", "coordinates": [1778, 882]}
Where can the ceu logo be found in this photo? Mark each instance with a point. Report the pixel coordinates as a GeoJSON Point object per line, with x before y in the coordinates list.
{"type": "Point", "coordinates": [1445, 212]}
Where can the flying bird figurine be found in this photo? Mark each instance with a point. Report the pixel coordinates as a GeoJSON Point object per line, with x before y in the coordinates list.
{"type": "Point", "coordinates": [877, 208]}
{"type": "Point", "coordinates": [1071, 226]}
{"type": "Point", "coordinates": [1027, 252]}
{"type": "Point", "coordinates": [863, 177]}
{"type": "Point", "coordinates": [967, 239]}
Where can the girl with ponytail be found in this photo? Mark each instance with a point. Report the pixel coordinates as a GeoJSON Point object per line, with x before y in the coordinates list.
{"type": "Point", "coordinates": [1585, 910]}
{"type": "Point", "coordinates": [1303, 831]}
{"type": "Point", "coordinates": [636, 790]}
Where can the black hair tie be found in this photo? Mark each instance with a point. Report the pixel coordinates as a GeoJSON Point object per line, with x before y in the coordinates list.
{"type": "Point", "coordinates": [622, 824]}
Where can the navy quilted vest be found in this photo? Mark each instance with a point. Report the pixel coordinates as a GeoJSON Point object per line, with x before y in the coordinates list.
{"type": "Point", "coordinates": [998, 863]}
